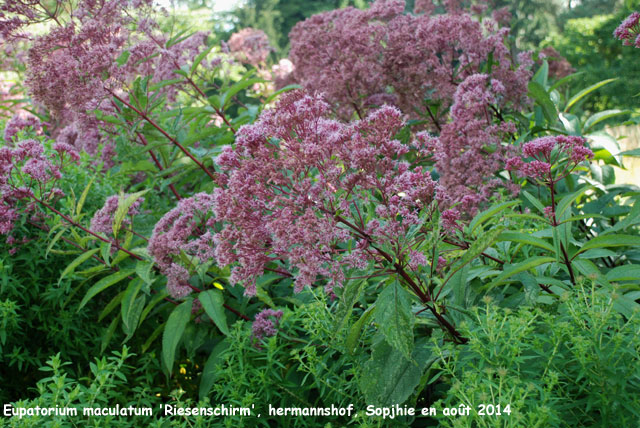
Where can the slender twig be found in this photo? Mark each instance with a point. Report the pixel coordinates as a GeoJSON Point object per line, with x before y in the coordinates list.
{"type": "Point", "coordinates": [399, 269]}
{"type": "Point", "coordinates": [163, 132]}
{"type": "Point", "coordinates": [433, 118]}
{"type": "Point", "coordinates": [554, 222]}
{"type": "Point", "coordinates": [466, 246]}
{"type": "Point", "coordinates": [155, 159]}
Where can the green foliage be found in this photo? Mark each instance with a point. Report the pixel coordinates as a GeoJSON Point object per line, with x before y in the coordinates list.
{"type": "Point", "coordinates": [111, 382]}
{"type": "Point", "coordinates": [588, 45]}
{"type": "Point", "coordinates": [572, 365]}
{"type": "Point", "coordinates": [39, 308]}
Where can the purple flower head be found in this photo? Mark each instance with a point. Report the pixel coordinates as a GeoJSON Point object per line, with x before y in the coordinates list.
{"type": "Point", "coordinates": [449, 220]}
{"type": "Point", "coordinates": [102, 221]}
{"type": "Point", "coordinates": [178, 281]}
{"type": "Point", "coordinates": [417, 259]}
{"type": "Point", "coordinates": [288, 175]}
{"type": "Point", "coordinates": [19, 122]}
{"type": "Point", "coordinates": [250, 46]}
{"type": "Point", "coordinates": [265, 324]}
{"type": "Point", "coordinates": [63, 148]}
{"type": "Point", "coordinates": [38, 170]}
{"type": "Point", "coordinates": [546, 152]}
{"type": "Point", "coordinates": [183, 230]}
{"type": "Point", "coordinates": [629, 30]}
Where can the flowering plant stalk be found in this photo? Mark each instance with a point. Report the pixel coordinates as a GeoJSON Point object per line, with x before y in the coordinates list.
{"type": "Point", "coordinates": [549, 160]}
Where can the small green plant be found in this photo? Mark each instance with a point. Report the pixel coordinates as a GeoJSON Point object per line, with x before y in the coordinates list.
{"type": "Point", "coordinates": [576, 365]}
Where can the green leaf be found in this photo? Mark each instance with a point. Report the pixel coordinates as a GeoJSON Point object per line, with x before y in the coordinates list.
{"type": "Point", "coordinates": [133, 317]}
{"type": "Point", "coordinates": [143, 270]}
{"type": "Point", "coordinates": [111, 305]}
{"type": "Point", "coordinates": [571, 123]}
{"type": "Point", "coordinates": [164, 83]}
{"type": "Point", "coordinates": [153, 336]}
{"type": "Point", "coordinates": [388, 377]}
{"type": "Point", "coordinates": [624, 273]}
{"type": "Point", "coordinates": [583, 93]}
{"type": "Point", "coordinates": [53, 242]}
{"type": "Point", "coordinates": [172, 335]}
{"type": "Point", "coordinates": [586, 267]}
{"type": "Point", "coordinates": [598, 254]}
{"type": "Point", "coordinates": [177, 38]}
{"type": "Point", "coordinates": [565, 80]}
{"type": "Point", "coordinates": [570, 199]}
{"type": "Point", "coordinates": [458, 284]}
{"type": "Point", "coordinates": [83, 196]}
{"type": "Point", "coordinates": [593, 120]}
{"type": "Point", "coordinates": [626, 306]}
{"type": "Point", "coordinates": [159, 297]}
{"type": "Point", "coordinates": [489, 213]}
{"type": "Point", "coordinates": [214, 101]}
{"type": "Point", "coordinates": [356, 329]}
{"type": "Point", "coordinates": [524, 238]}
{"type": "Point", "coordinates": [481, 243]}
{"type": "Point", "coordinates": [212, 302]}
{"type": "Point", "coordinates": [350, 295]}
{"type": "Point", "coordinates": [582, 217]}
{"type": "Point", "coordinates": [605, 147]}
{"type": "Point", "coordinates": [280, 91]}
{"type": "Point", "coordinates": [123, 209]}
{"type": "Point", "coordinates": [536, 203]}
{"type": "Point", "coordinates": [631, 219]}
{"type": "Point", "coordinates": [542, 74]}
{"type": "Point", "coordinates": [209, 375]}
{"type": "Point", "coordinates": [103, 284]}
{"type": "Point", "coordinates": [77, 262]}
{"type": "Point", "coordinates": [105, 252]}
{"type": "Point", "coordinates": [632, 153]}
{"type": "Point", "coordinates": [395, 318]}
{"type": "Point", "coordinates": [127, 306]}
{"type": "Point", "coordinates": [106, 338]}
{"type": "Point", "coordinates": [512, 270]}
{"type": "Point", "coordinates": [538, 93]}
{"type": "Point", "coordinates": [198, 59]}
{"type": "Point", "coordinates": [122, 59]}
{"type": "Point", "coordinates": [233, 90]}
{"type": "Point", "coordinates": [611, 241]}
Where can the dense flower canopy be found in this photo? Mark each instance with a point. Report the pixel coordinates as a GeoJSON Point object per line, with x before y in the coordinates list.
{"type": "Point", "coordinates": [297, 183]}
{"type": "Point", "coordinates": [451, 70]}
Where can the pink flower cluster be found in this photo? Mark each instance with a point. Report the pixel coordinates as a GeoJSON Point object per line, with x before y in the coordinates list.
{"type": "Point", "coordinates": [70, 67]}
{"type": "Point", "coordinates": [102, 46]}
{"type": "Point", "coordinates": [250, 46]}
{"type": "Point", "coordinates": [469, 151]}
{"type": "Point", "coordinates": [296, 189]}
{"type": "Point", "coordinates": [450, 69]}
{"type": "Point", "coordinates": [282, 74]}
{"type": "Point", "coordinates": [183, 230]}
{"type": "Point", "coordinates": [351, 55]}
{"type": "Point", "coordinates": [265, 323]}
{"type": "Point", "coordinates": [19, 122]}
{"type": "Point", "coordinates": [102, 221]}
{"type": "Point", "coordinates": [27, 173]}
{"type": "Point", "coordinates": [629, 30]}
{"type": "Point", "coordinates": [545, 153]}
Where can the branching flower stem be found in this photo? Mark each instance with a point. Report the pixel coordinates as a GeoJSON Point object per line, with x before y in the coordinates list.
{"type": "Point", "coordinates": [163, 132]}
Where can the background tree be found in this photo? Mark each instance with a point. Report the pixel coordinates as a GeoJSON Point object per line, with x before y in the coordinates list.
{"type": "Point", "coordinates": [587, 43]}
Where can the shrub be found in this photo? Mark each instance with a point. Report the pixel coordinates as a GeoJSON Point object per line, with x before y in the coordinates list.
{"type": "Point", "coordinates": [572, 364]}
